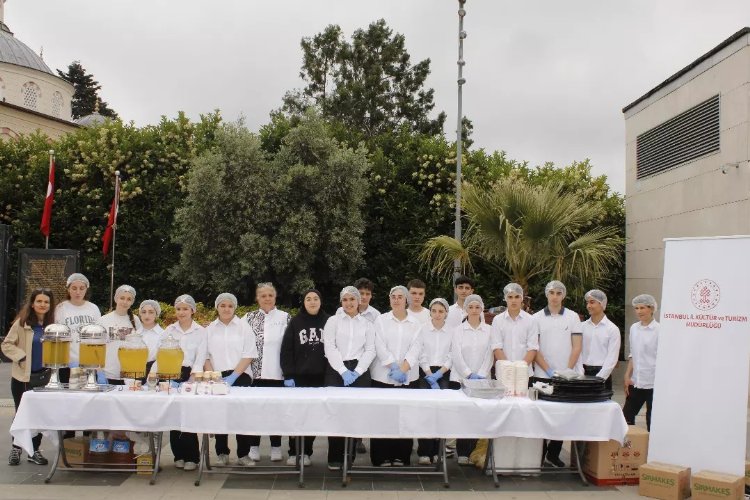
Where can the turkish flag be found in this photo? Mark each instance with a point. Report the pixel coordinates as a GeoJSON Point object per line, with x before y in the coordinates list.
{"type": "Point", "coordinates": [112, 221]}
{"type": "Point", "coordinates": [47, 214]}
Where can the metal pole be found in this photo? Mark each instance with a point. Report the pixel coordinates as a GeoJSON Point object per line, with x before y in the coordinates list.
{"type": "Point", "coordinates": [459, 132]}
{"type": "Point", "coordinates": [114, 236]}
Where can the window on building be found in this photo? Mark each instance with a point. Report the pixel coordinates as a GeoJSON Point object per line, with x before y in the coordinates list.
{"type": "Point", "coordinates": [687, 136]}
{"type": "Point", "coordinates": [31, 95]}
{"type": "Point", "coordinates": [57, 104]}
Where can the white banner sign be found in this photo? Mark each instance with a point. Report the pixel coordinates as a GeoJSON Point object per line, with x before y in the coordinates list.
{"type": "Point", "coordinates": [700, 391]}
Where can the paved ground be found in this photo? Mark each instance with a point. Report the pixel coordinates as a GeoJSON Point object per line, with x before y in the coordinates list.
{"type": "Point", "coordinates": [26, 481]}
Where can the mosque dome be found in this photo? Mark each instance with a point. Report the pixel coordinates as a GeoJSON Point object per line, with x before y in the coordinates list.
{"type": "Point", "coordinates": [14, 51]}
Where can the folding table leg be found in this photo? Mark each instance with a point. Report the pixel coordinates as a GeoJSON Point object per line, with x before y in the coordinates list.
{"type": "Point", "coordinates": [344, 468]}
{"type": "Point", "coordinates": [300, 444]}
{"type": "Point", "coordinates": [442, 461]}
{"type": "Point", "coordinates": [489, 461]}
{"type": "Point", "coordinates": [203, 458]}
{"type": "Point", "coordinates": [156, 441]}
{"type": "Point", "coordinates": [579, 448]}
{"type": "Point", "coordinates": [56, 460]}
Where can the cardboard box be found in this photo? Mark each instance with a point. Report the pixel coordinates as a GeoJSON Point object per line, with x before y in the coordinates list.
{"type": "Point", "coordinates": [747, 474]}
{"type": "Point", "coordinates": [668, 482]}
{"type": "Point", "coordinates": [609, 463]}
{"type": "Point", "coordinates": [145, 464]}
{"type": "Point", "coordinates": [76, 450]}
{"type": "Point", "coordinates": [708, 485]}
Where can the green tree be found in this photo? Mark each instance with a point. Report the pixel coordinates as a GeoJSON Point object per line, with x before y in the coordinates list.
{"type": "Point", "coordinates": [369, 84]}
{"type": "Point", "coordinates": [292, 218]}
{"type": "Point", "coordinates": [528, 232]}
{"type": "Point", "coordinates": [85, 92]}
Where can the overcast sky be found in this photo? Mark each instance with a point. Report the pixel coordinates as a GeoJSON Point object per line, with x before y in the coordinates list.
{"type": "Point", "coordinates": [546, 80]}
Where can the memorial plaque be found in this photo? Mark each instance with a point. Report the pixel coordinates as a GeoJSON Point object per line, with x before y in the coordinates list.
{"type": "Point", "coordinates": [39, 268]}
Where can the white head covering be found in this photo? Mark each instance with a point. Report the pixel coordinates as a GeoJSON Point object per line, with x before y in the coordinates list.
{"type": "Point", "coordinates": [77, 277]}
{"type": "Point", "coordinates": [441, 301]}
{"type": "Point", "coordinates": [402, 289]}
{"type": "Point", "coordinates": [224, 297]}
{"type": "Point", "coordinates": [473, 298]}
{"type": "Point", "coordinates": [350, 290]}
{"type": "Point", "coordinates": [555, 285]}
{"type": "Point", "coordinates": [125, 289]}
{"type": "Point", "coordinates": [185, 299]}
{"type": "Point", "coordinates": [598, 296]}
{"type": "Point", "coordinates": [512, 288]}
{"type": "Point", "coordinates": [152, 303]}
{"type": "Point", "coordinates": [645, 300]}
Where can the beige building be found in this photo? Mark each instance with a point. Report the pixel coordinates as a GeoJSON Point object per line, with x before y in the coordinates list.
{"type": "Point", "coordinates": [32, 96]}
{"type": "Point", "coordinates": [687, 160]}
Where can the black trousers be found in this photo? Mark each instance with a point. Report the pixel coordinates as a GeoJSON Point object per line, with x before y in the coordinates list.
{"type": "Point", "coordinates": [431, 447]}
{"type": "Point", "coordinates": [307, 441]}
{"type": "Point", "coordinates": [17, 388]}
{"type": "Point", "coordinates": [593, 370]}
{"type": "Point", "coordinates": [243, 441]}
{"type": "Point", "coordinates": [333, 379]}
{"type": "Point", "coordinates": [464, 447]}
{"type": "Point", "coordinates": [634, 403]}
{"type": "Point", "coordinates": [388, 450]}
{"type": "Point", "coordinates": [259, 382]}
{"type": "Point", "coordinates": [184, 444]}
{"type": "Point", "coordinates": [552, 449]}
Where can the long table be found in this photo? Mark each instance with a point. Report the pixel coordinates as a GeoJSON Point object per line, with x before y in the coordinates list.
{"type": "Point", "coordinates": [329, 411]}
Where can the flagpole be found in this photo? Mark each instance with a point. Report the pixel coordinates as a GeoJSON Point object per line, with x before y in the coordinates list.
{"type": "Point", "coordinates": [114, 237]}
{"type": "Point", "coordinates": [51, 159]}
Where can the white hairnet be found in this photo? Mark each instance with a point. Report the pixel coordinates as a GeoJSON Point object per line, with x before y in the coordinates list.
{"type": "Point", "coordinates": [152, 303]}
{"type": "Point", "coordinates": [555, 285]}
{"type": "Point", "coordinates": [125, 289]}
{"type": "Point", "coordinates": [350, 290]}
{"type": "Point", "coordinates": [77, 277]}
{"type": "Point", "coordinates": [402, 289]}
{"type": "Point", "coordinates": [645, 300]}
{"type": "Point", "coordinates": [185, 299]}
{"type": "Point", "coordinates": [224, 297]}
{"type": "Point", "coordinates": [512, 288]}
{"type": "Point", "coordinates": [441, 301]}
{"type": "Point", "coordinates": [598, 296]}
{"type": "Point", "coordinates": [473, 298]}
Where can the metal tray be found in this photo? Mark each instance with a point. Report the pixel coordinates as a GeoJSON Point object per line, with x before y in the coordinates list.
{"type": "Point", "coordinates": [485, 389]}
{"type": "Point", "coordinates": [65, 388]}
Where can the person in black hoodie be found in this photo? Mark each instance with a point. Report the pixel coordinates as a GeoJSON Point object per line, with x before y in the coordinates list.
{"type": "Point", "coordinates": [303, 359]}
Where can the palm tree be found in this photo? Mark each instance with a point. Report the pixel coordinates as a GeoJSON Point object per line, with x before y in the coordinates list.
{"type": "Point", "coordinates": [530, 231]}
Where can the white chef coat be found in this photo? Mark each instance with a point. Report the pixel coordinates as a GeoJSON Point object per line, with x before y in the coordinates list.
{"type": "Point", "coordinates": [471, 351]}
{"type": "Point", "coordinates": [226, 345]}
{"type": "Point", "coordinates": [370, 314]}
{"type": "Point", "coordinates": [111, 360]}
{"type": "Point", "coordinates": [516, 337]}
{"type": "Point", "coordinates": [436, 347]}
{"type": "Point", "coordinates": [192, 342]}
{"type": "Point", "coordinates": [395, 341]}
{"type": "Point", "coordinates": [422, 317]}
{"type": "Point", "coordinates": [644, 342]}
{"type": "Point", "coordinates": [555, 338]}
{"type": "Point", "coordinates": [75, 318]}
{"type": "Point", "coordinates": [267, 364]}
{"type": "Point", "coordinates": [346, 338]}
{"type": "Point", "coordinates": [601, 345]}
{"type": "Point", "coordinates": [153, 337]}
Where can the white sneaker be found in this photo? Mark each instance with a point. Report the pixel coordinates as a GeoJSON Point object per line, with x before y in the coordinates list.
{"type": "Point", "coordinates": [292, 460]}
{"type": "Point", "coordinates": [191, 466]}
{"type": "Point", "coordinates": [246, 461]}
{"type": "Point", "coordinates": [276, 455]}
{"type": "Point", "coordinates": [254, 453]}
{"type": "Point", "coordinates": [222, 459]}
{"type": "Point", "coordinates": [463, 460]}
{"type": "Point", "coordinates": [180, 464]}
{"type": "Point", "coordinates": [306, 460]}
{"type": "Point", "coordinates": [424, 461]}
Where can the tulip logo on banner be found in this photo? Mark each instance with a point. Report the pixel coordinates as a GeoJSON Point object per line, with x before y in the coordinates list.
{"type": "Point", "coordinates": [705, 294]}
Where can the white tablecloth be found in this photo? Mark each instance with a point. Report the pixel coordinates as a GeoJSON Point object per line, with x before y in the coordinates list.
{"type": "Point", "coordinates": [329, 411]}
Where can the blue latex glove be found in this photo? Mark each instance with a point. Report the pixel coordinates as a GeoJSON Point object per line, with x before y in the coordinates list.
{"type": "Point", "coordinates": [101, 378]}
{"type": "Point", "coordinates": [550, 373]}
{"type": "Point", "coordinates": [174, 384]}
{"type": "Point", "coordinates": [231, 379]}
{"type": "Point", "coordinates": [349, 377]}
{"type": "Point", "coordinates": [474, 376]}
{"type": "Point", "coordinates": [73, 364]}
{"type": "Point", "coordinates": [430, 379]}
{"type": "Point", "coordinates": [400, 377]}
{"type": "Point", "coordinates": [437, 375]}
{"type": "Point", "coordinates": [433, 385]}
{"type": "Point", "coordinates": [289, 382]}
{"type": "Point", "coordinates": [354, 374]}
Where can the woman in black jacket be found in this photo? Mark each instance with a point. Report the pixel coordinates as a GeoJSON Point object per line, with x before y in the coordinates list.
{"type": "Point", "coordinates": [303, 360]}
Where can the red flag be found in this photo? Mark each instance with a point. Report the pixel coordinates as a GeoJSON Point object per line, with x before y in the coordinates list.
{"type": "Point", "coordinates": [47, 214]}
{"type": "Point", "coordinates": [112, 221]}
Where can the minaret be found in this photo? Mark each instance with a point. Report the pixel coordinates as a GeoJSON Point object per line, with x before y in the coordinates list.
{"type": "Point", "coordinates": [2, 11]}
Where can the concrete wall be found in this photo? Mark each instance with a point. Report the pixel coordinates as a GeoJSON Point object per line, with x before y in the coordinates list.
{"type": "Point", "coordinates": [15, 122]}
{"type": "Point", "coordinates": [694, 198]}
{"type": "Point", "coordinates": [11, 89]}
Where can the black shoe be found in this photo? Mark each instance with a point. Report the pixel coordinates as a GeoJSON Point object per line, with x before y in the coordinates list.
{"type": "Point", "coordinates": [398, 463]}
{"type": "Point", "coordinates": [361, 448]}
{"type": "Point", "coordinates": [37, 458]}
{"type": "Point", "coordinates": [15, 456]}
{"type": "Point", "coordinates": [555, 461]}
